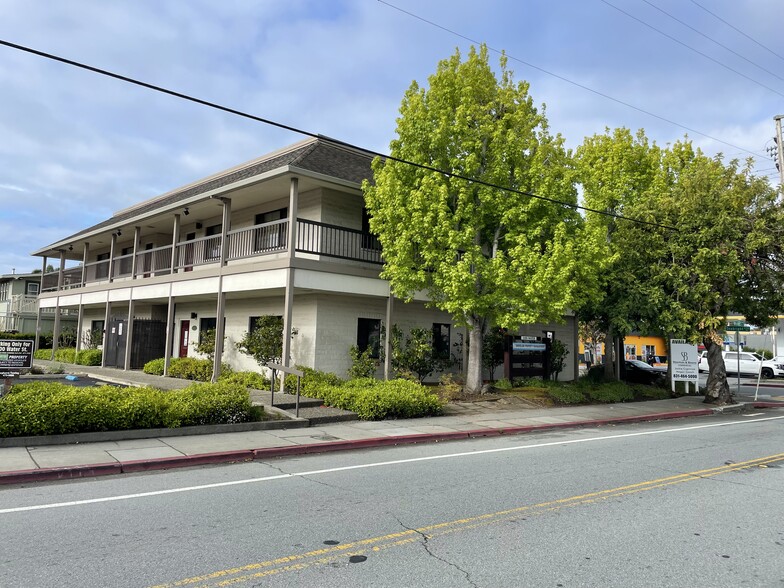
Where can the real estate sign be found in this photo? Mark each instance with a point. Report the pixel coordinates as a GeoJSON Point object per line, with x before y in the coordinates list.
{"type": "Point", "coordinates": [684, 362]}
{"type": "Point", "coordinates": [15, 355]}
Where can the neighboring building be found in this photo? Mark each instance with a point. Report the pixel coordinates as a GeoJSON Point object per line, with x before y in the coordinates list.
{"type": "Point", "coordinates": [19, 306]}
{"type": "Point", "coordinates": [286, 234]}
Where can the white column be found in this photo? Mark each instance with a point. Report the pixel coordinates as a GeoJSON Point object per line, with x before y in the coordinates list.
{"type": "Point", "coordinates": [220, 329]}
{"type": "Point", "coordinates": [137, 231]}
{"type": "Point", "coordinates": [38, 306]}
{"type": "Point", "coordinates": [288, 301]}
{"type": "Point", "coordinates": [388, 337]}
{"type": "Point", "coordinates": [129, 335]}
{"type": "Point", "coordinates": [169, 333]}
{"type": "Point", "coordinates": [56, 328]}
{"type": "Point", "coordinates": [175, 240]}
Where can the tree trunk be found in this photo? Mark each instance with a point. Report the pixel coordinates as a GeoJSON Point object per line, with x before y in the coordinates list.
{"type": "Point", "coordinates": [717, 390]}
{"type": "Point", "coordinates": [610, 355]}
{"type": "Point", "coordinates": [476, 332]}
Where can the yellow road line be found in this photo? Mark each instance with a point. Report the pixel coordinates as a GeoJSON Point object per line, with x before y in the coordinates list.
{"type": "Point", "coordinates": [304, 560]}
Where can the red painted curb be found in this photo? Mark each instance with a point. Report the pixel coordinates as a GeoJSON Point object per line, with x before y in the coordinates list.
{"type": "Point", "coordinates": [767, 404]}
{"type": "Point", "coordinates": [183, 461]}
{"type": "Point", "coordinates": [163, 463]}
{"type": "Point", "coordinates": [61, 473]}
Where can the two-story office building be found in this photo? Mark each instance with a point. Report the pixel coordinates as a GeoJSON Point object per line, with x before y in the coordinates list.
{"type": "Point", "coordinates": [286, 234]}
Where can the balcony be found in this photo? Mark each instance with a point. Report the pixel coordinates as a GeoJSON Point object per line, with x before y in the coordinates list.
{"type": "Point", "coordinates": [313, 239]}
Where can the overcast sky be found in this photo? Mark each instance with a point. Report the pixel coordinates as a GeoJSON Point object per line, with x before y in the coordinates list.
{"type": "Point", "coordinates": [75, 146]}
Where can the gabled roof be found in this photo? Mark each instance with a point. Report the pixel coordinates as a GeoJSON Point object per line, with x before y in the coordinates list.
{"type": "Point", "coordinates": [320, 156]}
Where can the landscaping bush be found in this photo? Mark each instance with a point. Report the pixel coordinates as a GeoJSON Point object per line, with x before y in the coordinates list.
{"type": "Point", "coordinates": [43, 354]}
{"type": "Point", "coordinates": [376, 400]}
{"type": "Point", "coordinates": [65, 354]}
{"type": "Point", "coordinates": [566, 395]}
{"type": "Point", "coordinates": [253, 380]}
{"type": "Point", "coordinates": [49, 408]}
{"type": "Point", "coordinates": [154, 367]}
{"type": "Point", "coordinates": [186, 368]}
{"type": "Point", "coordinates": [89, 357]}
{"type": "Point", "coordinates": [311, 382]}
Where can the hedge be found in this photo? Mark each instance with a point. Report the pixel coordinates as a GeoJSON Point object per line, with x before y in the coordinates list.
{"type": "Point", "coordinates": [377, 400]}
{"type": "Point", "coordinates": [186, 368]}
{"type": "Point", "coordinates": [51, 408]}
{"type": "Point", "coordinates": [70, 355]}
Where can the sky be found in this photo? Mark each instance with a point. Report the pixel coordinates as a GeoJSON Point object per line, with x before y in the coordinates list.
{"type": "Point", "coordinates": [75, 146]}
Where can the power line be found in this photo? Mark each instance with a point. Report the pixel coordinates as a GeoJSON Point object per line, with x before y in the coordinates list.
{"type": "Point", "coordinates": [733, 27]}
{"type": "Point", "coordinates": [572, 82]}
{"type": "Point", "coordinates": [338, 142]}
{"type": "Point", "coordinates": [697, 51]}
{"type": "Point", "coordinates": [711, 39]}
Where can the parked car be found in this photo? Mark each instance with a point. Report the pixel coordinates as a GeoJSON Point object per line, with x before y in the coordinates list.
{"type": "Point", "coordinates": [639, 372]}
{"type": "Point", "coordinates": [751, 364]}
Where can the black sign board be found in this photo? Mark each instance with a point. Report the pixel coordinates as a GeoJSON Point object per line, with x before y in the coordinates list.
{"type": "Point", "coordinates": [15, 355]}
{"type": "Point", "coordinates": [525, 357]}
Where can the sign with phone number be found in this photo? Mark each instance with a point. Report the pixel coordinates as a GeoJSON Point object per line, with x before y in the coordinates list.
{"type": "Point", "coordinates": [684, 361]}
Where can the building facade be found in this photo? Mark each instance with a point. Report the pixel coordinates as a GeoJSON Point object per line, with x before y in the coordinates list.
{"type": "Point", "coordinates": [19, 306]}
{"type": "Point", "coordinates": [284, 235]}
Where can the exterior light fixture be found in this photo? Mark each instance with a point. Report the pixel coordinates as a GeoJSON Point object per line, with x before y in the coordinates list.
{"type": "Point", "coordinates": [186, 212]}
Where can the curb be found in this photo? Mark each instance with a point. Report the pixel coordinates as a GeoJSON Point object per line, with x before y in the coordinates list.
{"type": "Point", "coordinates": [241, 455]}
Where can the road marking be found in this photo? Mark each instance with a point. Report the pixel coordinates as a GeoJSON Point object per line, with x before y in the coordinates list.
{"type": "Point", "coordinates": [370, 465]}
{"type": "Point", "coordinates": [326, 555]}
{"type": "Point", "coordinates": [753, 414]}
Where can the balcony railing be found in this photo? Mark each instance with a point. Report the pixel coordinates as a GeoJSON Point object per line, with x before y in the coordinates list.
{"type": "Point", "coordinates": [313, 238]}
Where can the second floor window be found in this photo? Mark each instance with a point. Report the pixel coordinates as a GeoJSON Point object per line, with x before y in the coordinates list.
{"type": "Point", "coordinates": [4, 291]}
{"type": "Point", "coordinates": [272, 237]}
{"type": "Point", "coordinates": [31, 288]}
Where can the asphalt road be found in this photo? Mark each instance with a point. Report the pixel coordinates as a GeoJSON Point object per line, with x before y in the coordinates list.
{"type": "Point", "coordinates": [697, 502]}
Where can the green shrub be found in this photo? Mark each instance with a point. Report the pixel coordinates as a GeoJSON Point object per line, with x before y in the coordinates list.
{"type": "Point", "coordinates": [503, 384]}
{"type": "Point", "coordinates": [651, 392]}
{"type": "Point", "coordinates": [89, 357]}
{"type": "Point", "coordinates": [253, 380]}
{"type": "Point", "coordinates": [154, 367]}
{"type": "Point", "coordinates": [376, 400]}
{"type": "Point", "coordinates": [566, 395]}
{"type": "Point", "coordinates": [65, 354]}
{"type": "Point", "coordinates": [311, 382]}
{"type": "Point", "coordinates": [530, 383]}
{"type": "Point", "coordinates": [186, 368]}
{"type": "Point", "coordinates": [362, 363]}
{"type": "Point", "coordinates": [49, 408]}
{"type": "Point", "coordinates": [43, 354]}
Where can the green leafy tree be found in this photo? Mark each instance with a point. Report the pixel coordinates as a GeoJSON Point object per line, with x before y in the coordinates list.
{"type": "Point", "coordinates": [264, 342]}
{"type": "Point", "coordinates": [362, 363]}
{"type": "Point", "coordinates": [418, 355]}
{"type": "Point", "coordinates": [483, 254]}
{"type": "Point", "coordinates": [620, 173]}
{"type": "Point", "coordinates": [206, 344]}
{"type": "Point", "coordinates": [726, 256]}
{"type": "Point", "coordinates": [493, 350]}
{"type": "Point", "coordinates": [558, 353]}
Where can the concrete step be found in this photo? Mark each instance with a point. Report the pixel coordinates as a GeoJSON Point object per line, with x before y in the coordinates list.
{"type": "Point", "coordinates": [324, 414]}
{"type": "Point", "coordinates": [312, 409]}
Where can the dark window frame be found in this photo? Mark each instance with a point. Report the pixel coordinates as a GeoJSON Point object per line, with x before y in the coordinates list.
{"type": "Point", "coordinates": [441, 339]}
{"type": "Point", "coordinates": [369, 336]}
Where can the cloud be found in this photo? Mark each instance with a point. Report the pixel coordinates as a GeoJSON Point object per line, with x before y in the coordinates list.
{"type": "Point", "coordinates": [76, 146]}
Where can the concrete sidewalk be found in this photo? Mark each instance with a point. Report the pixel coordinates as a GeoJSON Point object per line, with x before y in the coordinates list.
{"type": "Point", "coordinates": [461, 421]}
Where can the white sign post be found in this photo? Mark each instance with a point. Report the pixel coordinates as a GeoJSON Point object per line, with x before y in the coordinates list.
{"type": "Point", "coordinates": [684, 364]}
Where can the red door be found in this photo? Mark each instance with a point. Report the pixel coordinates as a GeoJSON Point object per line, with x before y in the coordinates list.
{"type": "Point", "coordinates": [185, 329]}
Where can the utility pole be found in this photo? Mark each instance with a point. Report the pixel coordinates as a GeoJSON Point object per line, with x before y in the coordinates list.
{"type": "Point", "coordinates": [779, 148]}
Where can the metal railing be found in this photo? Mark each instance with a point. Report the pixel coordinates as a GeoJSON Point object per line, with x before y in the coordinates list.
{"type": "Point", "coordinates": [333, 241]}
{"type": "Point", "coordinates": [271, 237]}
{"type": "Point", "coordinates": [198, 252]}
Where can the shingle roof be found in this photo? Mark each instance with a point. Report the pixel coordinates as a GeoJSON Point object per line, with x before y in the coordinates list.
{"type": "Point", "coordinates": [316, 155]}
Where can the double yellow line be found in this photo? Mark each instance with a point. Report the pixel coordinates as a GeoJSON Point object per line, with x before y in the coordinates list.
{"type": "Point", "coordinates": [301, 561]}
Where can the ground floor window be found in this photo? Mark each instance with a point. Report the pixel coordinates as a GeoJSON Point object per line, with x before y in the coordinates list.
{"type": "Point", "coordinates": [205, 325]}
{"type": "Point", "coordinates": [441, 338]}
{"type": "Point", "coordinates": [650, 351]}
{"type": "Point", "coordinates": [369, 336]}
{"type": "Point", "coordinates": [630, 351]}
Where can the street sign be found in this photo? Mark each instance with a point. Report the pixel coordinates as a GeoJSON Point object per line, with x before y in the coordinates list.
{"type": "Point", "coordinates": [15, 355]}
{"type": "Point", "coordinates": [684, 362]}
{"type": "Point", "coordinates": [736, 328]}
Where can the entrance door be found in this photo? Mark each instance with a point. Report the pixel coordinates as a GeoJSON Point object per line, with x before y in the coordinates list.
{"type": "Point", "coordinates": [185, 329]}
{"type": "Point", "coordinates": [116, 340]}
